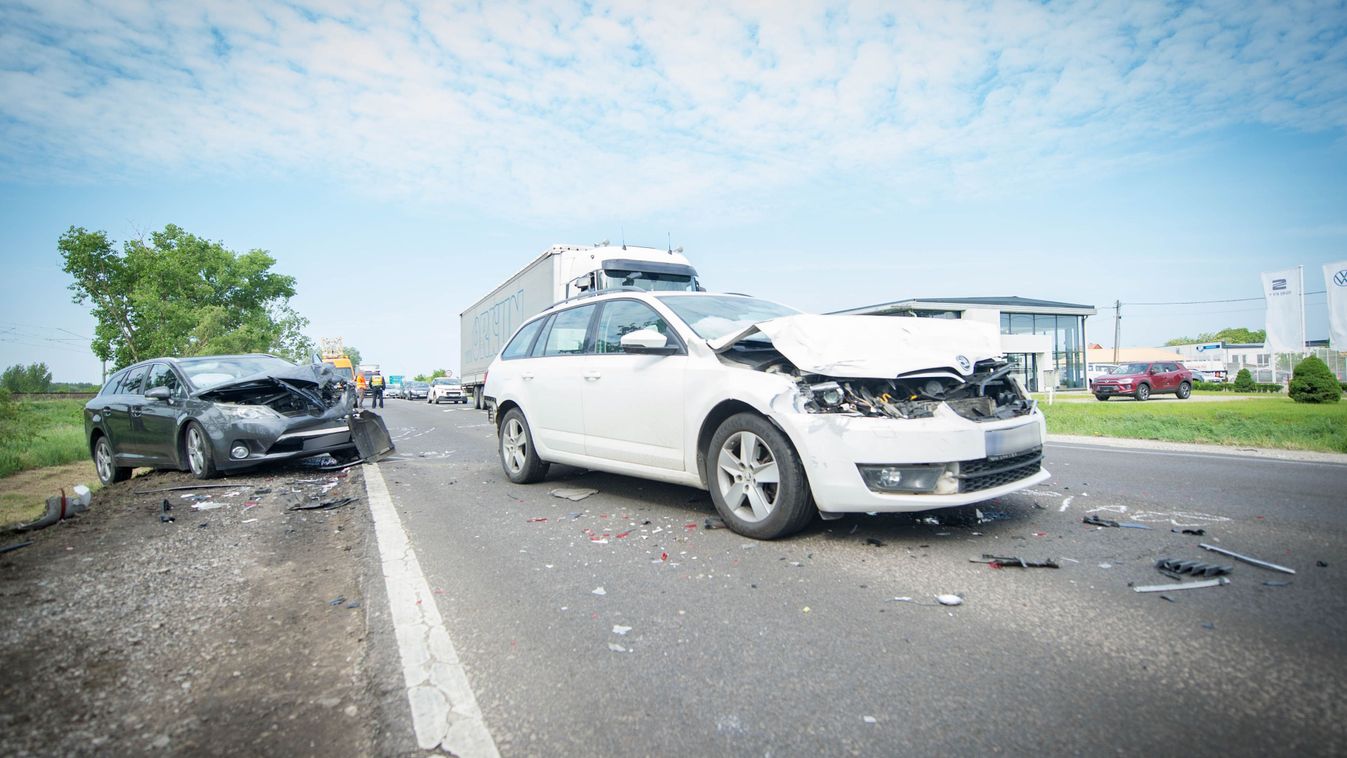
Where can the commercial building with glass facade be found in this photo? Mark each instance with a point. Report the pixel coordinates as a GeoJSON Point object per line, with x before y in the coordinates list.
{"type": "Point", "coordinates": [1044, 339]}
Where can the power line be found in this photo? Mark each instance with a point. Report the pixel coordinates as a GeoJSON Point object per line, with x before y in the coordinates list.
{"type": "Point", "coordinates": [1205, 302]}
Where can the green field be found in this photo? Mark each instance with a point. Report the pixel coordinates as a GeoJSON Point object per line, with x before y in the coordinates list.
{"type": "Point", "coordinates": [1273, 422]}
{"type": "Point", "coordinates": [40, 433]}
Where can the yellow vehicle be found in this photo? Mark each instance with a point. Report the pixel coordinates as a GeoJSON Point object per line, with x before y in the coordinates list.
{"type": "Point", "coordinates": [335, 356]}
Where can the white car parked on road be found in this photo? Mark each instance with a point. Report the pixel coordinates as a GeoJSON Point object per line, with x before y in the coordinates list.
{"type": "Point", "coordinates": [445, 389]}
{"type": "Point", "coordinates": [778, 413]}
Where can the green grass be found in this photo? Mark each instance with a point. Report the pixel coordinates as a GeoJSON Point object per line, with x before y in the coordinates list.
{"type": "Point", "coordinates": [1273, 422]}
{"type": "Point", "coordinates": [40, 433]}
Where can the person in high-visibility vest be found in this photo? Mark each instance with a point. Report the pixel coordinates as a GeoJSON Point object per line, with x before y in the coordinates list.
{"type": "Point", "coordinates": [360, 390]}
{"type": "Point", "coordinates": [376, 385]}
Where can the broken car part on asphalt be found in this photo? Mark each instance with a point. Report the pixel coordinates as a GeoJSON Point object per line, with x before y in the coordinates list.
{"type": "Point", "coordinates": [1194, 568]}
{"type": "Point", "coordinates": [1246, 559]}
{"type": "Point", "coordinates": [997, 561]}
{"type": "Point", "coordinates": [1217, 582]}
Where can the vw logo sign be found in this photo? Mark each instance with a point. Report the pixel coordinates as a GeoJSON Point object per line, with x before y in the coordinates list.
{"type": "Point", "coordinates": [966, 366]}
{"type": "Point", "coordinates": [1340, 278]}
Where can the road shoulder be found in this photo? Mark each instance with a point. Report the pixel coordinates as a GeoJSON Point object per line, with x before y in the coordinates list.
{"type": "Point", "coordinates": [1307, 456]}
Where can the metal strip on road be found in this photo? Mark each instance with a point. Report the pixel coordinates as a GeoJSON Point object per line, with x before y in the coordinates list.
{"type": "Point", "coordinates": [444, 709]}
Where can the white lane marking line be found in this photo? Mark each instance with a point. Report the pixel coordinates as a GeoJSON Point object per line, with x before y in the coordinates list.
{"type": "Point", "coordinates": [445, 713]}
{"type": "Point", "coordinates": [1181, 454]}
{"type": "Point", "coordinates": [1066, 503]}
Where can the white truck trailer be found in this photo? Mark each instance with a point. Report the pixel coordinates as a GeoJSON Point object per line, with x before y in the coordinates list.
{"type": "Point", "coordinates": [561, 272]}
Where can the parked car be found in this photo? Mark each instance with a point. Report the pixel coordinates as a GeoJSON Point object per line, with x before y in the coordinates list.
{"type": "Point", "coordinates": [416, 390]}
{"type": "Point", "coordinates": [781, 415]}
{"type": "Point", "coordinates": [217, 413]}
{"type": "Point", "coordinates": [446, 389]}
{"type": "Point", "coordinates": [1143, 379]}
{"type": "Point", "coordinates": [395, 391]}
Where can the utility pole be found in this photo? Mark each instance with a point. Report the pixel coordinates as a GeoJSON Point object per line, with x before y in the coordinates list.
{"type": "Point", "coordinates": [1117, 327]}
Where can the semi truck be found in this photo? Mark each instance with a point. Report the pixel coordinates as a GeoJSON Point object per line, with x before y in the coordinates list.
{"type": "Point", "coordinates": [559, 273]}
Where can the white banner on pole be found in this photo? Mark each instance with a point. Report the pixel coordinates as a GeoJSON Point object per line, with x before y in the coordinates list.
{"type": "Point", "coordinates": [1282, 291]}
{"type": "Point", "coordinates": [1335, 283]}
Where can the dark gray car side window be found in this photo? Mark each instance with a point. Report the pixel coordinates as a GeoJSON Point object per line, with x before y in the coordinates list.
{"type": "Point", "coordinates": [111, 387]}
{"type": "Point", "coordinates": [134, 383]}
{"type": "Point", "coordinates": [162, 375]}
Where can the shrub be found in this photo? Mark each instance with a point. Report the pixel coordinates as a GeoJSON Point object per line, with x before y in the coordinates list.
{"type": "Point", "coordinates": [1244, 381]}
{"type": "Point", "coordinates": [1313, 382]}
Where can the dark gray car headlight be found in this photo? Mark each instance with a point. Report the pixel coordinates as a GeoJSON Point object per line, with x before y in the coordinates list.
{"type": "Point", "coordinates": [247, 412]}
{"type": "Point", "coordinates": [901, 478]}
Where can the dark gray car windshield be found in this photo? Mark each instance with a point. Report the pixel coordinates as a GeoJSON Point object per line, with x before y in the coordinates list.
{"type": "Point", "coordinates": [209, 371]}
{"type": "Point", "coordinates": [713, 316]}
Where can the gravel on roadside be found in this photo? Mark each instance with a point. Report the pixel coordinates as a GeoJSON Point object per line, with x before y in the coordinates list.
{"type": "Point", "coordinates": [239, 627]}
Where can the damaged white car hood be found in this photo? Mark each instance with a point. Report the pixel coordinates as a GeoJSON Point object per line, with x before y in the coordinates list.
{"type": "Point", "coordinates": [874, 346]}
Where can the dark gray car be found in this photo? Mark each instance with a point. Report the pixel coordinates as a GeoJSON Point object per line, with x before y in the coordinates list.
{"type": "Point", "coordinates": [218, 413]}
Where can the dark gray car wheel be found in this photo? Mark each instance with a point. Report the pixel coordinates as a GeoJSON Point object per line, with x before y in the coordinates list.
{"type": "Point", "coordinates": [1143, 392]}
{"type": "Point", "coordinates": [108, 470]}
{"type": "Point", "coordinates": [518, 457]}
{"type": "Point", "coordinates": [756, 480]}
{"type": "Point", "coordinates": [200, 459]}
{"type": "Point", "coordinates": [1185, 389]}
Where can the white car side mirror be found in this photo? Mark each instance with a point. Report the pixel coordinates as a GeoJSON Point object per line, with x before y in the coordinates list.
{"type": "Point", "coordinates": [646, 341]}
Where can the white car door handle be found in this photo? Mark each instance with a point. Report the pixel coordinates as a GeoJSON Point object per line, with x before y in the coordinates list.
{"type": "Point", "coordinates": [591, 376]}
{"type": "Point", "coordinates": [526, 377]}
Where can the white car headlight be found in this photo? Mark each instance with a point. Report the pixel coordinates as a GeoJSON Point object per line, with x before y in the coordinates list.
{"type": "Point", "coordinates": [247, 412]}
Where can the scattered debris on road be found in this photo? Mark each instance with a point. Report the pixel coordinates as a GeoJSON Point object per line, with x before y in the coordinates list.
{"type": "Point", "coordinates": [1194, 532]}
{"type": "Point", "coordinates": [1247, 559]}
{"type": "Point", "coordinates": [599, 591]}
{"type": "Point", "coordinates": [949, 599]}
{"type": "Point", "coordinates": [573, 493]}
{"type": "Point", "coordinates": [15, 546]}
{"type": "Point", "coordinates": [1172, 567]}
{"type": "Point", "coordinates": [1219, 581]}
{"type": "Point", "coordinates": [184, 488]}
{"type": "Point", "coordinates": [713, 522]}
{"type": "Point", "coordinates": [326, 506]}
{"type": "Point", "coordinates": [164, 516]}
{"type": "Point", "coordinates": [998, 561]}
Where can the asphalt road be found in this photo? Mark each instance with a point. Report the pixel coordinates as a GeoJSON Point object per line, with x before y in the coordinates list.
{"type": "Point", "coordinates": [802, 646]}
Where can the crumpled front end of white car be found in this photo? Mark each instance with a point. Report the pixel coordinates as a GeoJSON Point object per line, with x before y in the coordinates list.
{"type": "Point", "coordinates": [898, 414]}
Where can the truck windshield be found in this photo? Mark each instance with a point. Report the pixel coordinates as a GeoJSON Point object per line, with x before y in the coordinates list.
{"type": "Point", "coordinates": [648, 280]}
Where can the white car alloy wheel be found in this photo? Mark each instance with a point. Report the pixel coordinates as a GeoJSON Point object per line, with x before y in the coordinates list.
{"type": "Point", "coordinates": [517, 454]}
{"type": "Point", "coordinates": [513, 446]}
{"type": "Point", "coordinates": [747, 475]}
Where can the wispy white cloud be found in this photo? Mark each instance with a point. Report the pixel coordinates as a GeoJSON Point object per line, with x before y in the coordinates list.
{"type": "Point", "coordinates": [622, 108]}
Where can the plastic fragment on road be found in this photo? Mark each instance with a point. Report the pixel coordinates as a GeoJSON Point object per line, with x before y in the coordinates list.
{"type": "Point", "coordinates": [208, 506]}
{"type": "Point", "coordinates": [1217, 582]}
{"type": "Point", "coordinates": [599, 591]}
{"type": "Point", "coordinates": [15, 546]}
{"type": "Point", "coordinates": [336, 601]}
{"type": "Point", "coordinates": [998, 561]}
{"type": "Point", "coordinates": [1276, 583]}
{"type": "Point", "coordinates": [573, 493]}
{"type": "Point", "coordinates": [537, 520]}
{"type": "Point", "coordinates": [164, 516]}
{"type": "Point", "coordinates": [616, 648]}
{"type": "Point", "coordinates": [713, 522]}
{"type": "Point", "coordinates": [869, 719]}
{"type": "Point", "coordinates": [1246, 559]}
{"type": "Point", "coordinates": [873, 541]}
{"type": "Point", "coordinates": [327, 506]}
{"type": "Point", "coordinates": [1321, 564]}
{"type": "Point", "coordinates": [1174, 566]}
{"type": "Point", "coordinates": [1094, 520]}
{"type": "Point", "coordinates": [1194, 532]}
{"type": "Point", "coordinates": [619, 629]}
{"type": "Point", "coordinates": [949, 599]}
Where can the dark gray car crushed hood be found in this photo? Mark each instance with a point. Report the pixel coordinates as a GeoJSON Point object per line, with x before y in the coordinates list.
{"type": "Point", "coordinates": [313, 389]}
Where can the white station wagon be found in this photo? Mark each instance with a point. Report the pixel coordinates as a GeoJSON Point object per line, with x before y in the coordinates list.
{"type": "Point", "coordinates": [780, 414]}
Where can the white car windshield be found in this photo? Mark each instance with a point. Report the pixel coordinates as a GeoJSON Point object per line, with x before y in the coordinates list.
{"type": "Point", "coordinates": [713, 316]}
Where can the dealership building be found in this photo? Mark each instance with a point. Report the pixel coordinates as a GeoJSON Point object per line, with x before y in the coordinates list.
{"type": "Point", "coordinates": [1044, 339]}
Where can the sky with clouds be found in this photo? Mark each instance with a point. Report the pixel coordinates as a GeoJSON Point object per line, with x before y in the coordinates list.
{"type": "Point", "coordinates": [400, 159]}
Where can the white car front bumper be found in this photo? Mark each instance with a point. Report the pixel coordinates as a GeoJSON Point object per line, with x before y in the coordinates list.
{"type": "Point", "coordinates": [832, 445]}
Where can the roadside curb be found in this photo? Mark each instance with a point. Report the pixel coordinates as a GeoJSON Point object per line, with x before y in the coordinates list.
{"type": "Point", "coordinates": [1304, 456]}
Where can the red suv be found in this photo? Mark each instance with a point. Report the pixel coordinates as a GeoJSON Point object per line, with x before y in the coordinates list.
{"type": "Point", "coordinates": [1141, 380]}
